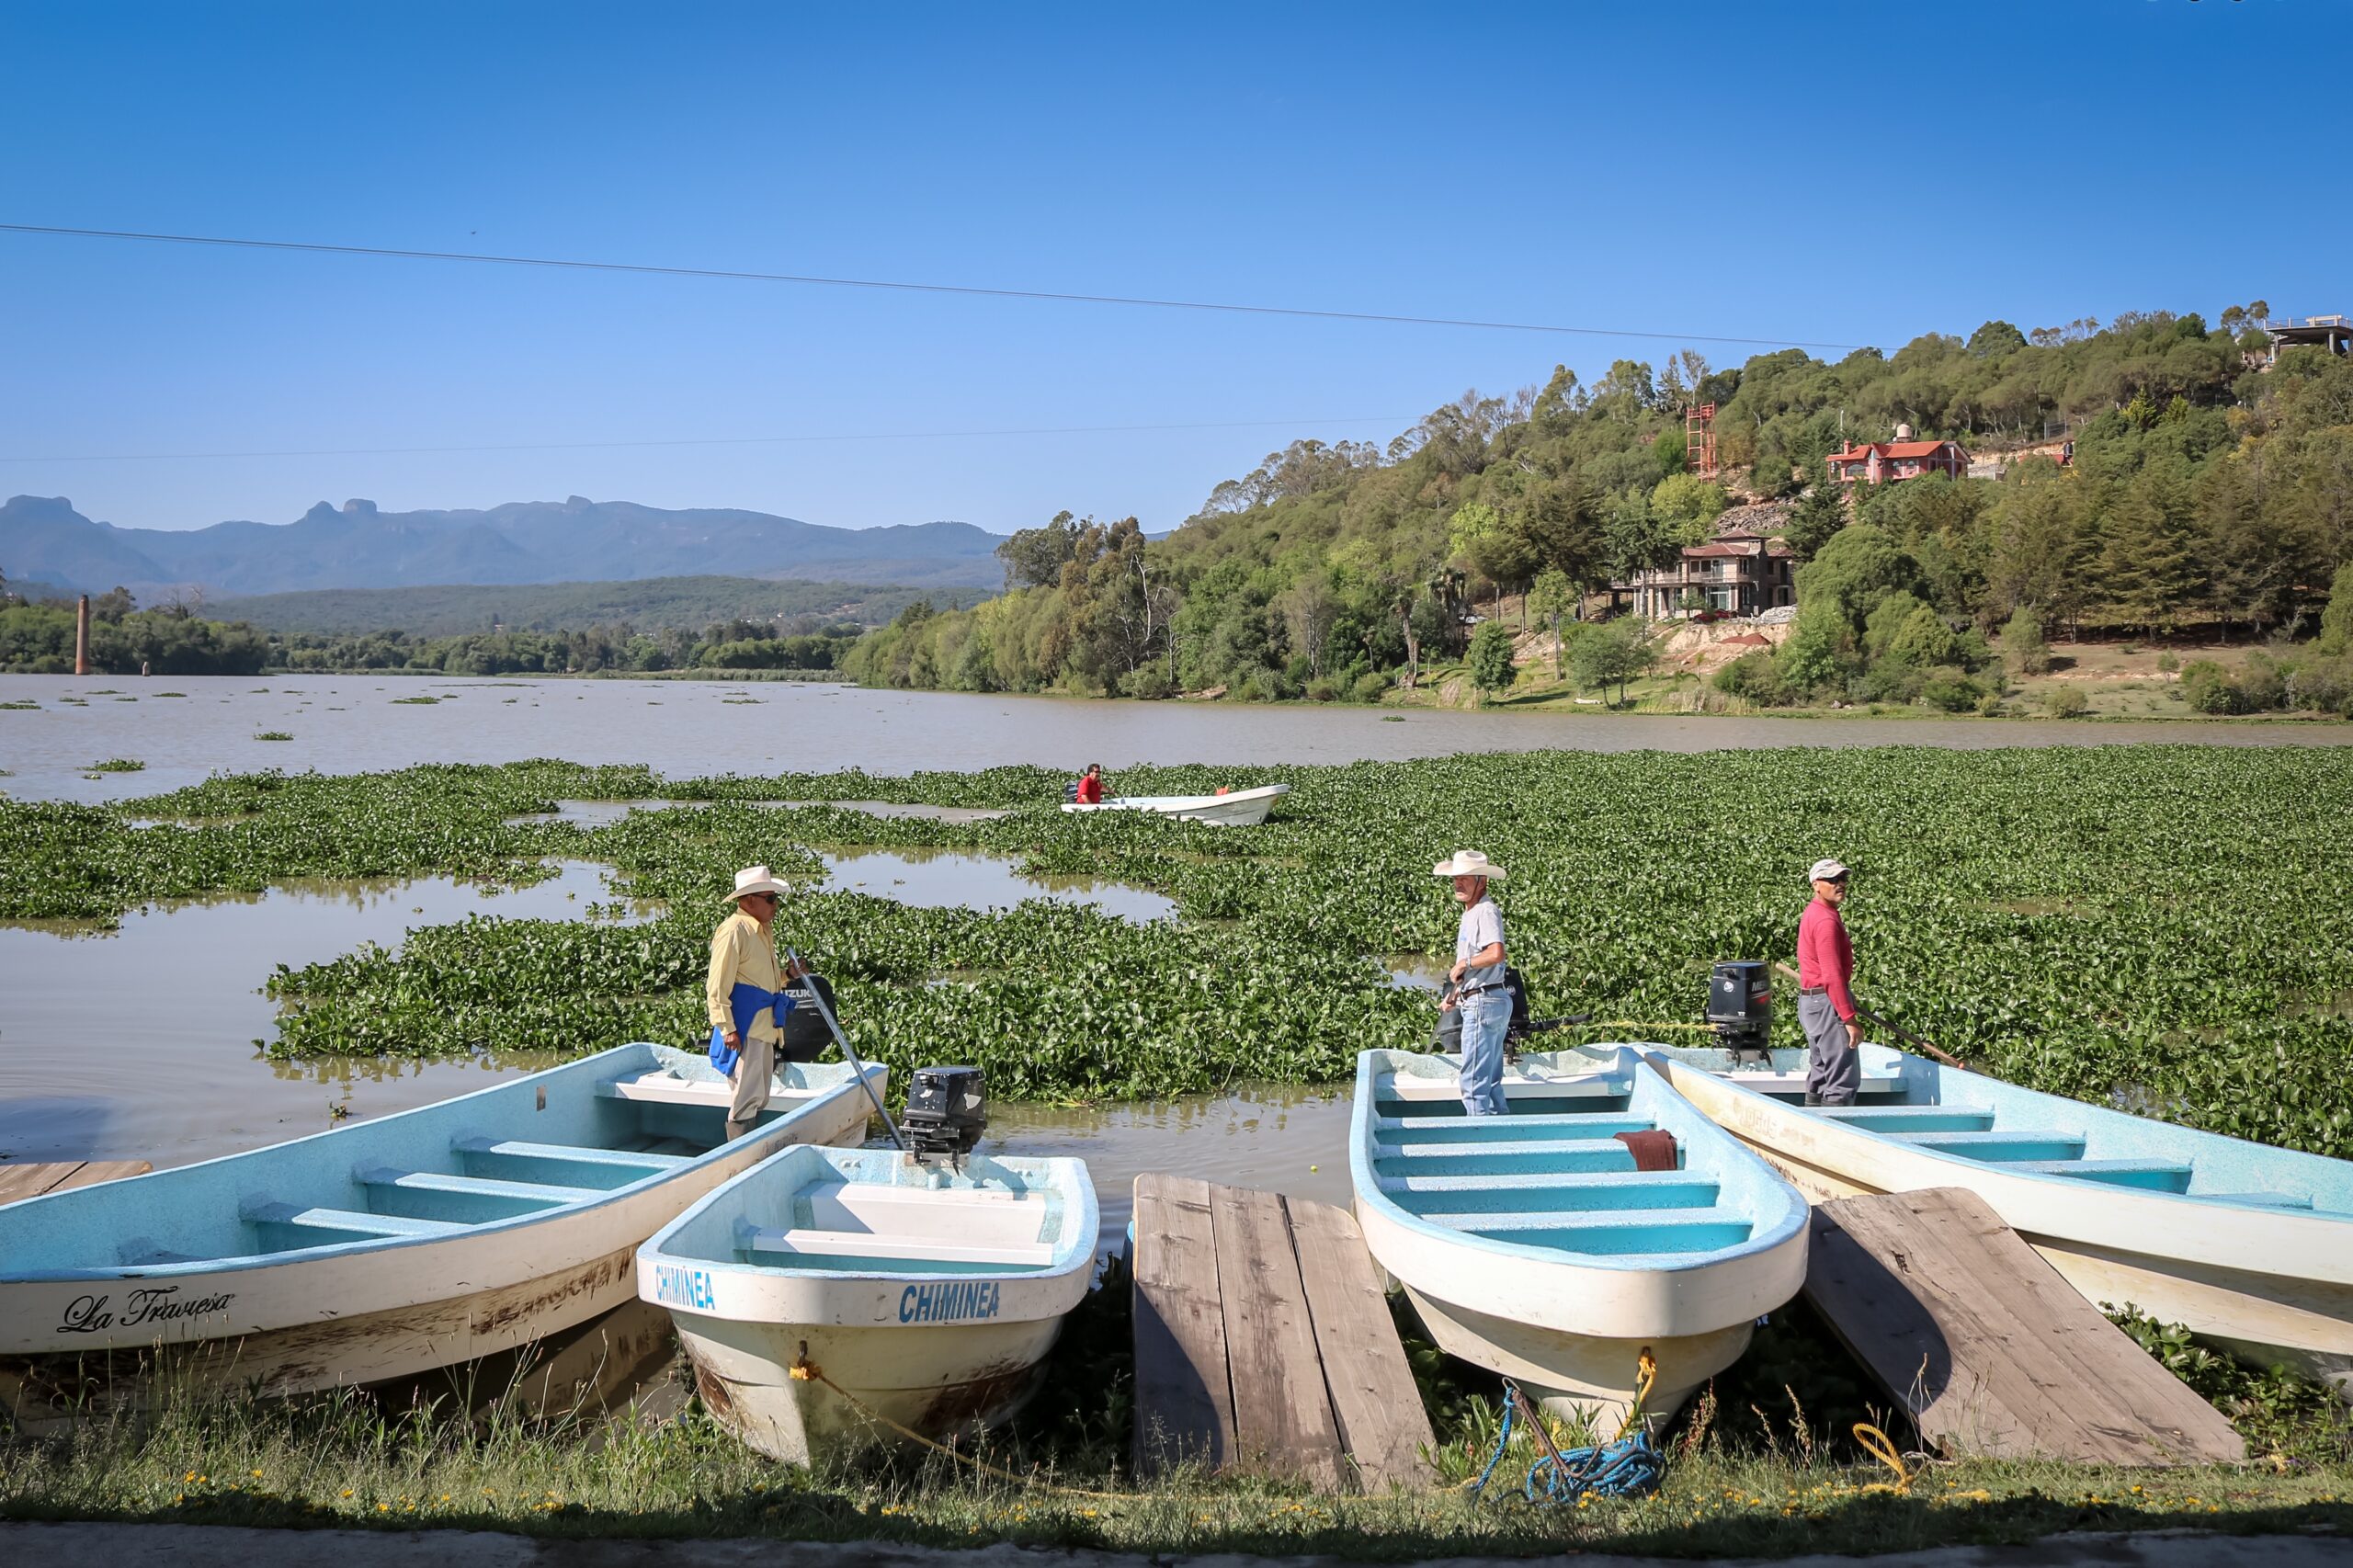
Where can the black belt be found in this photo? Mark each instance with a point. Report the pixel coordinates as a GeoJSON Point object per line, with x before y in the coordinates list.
{"type": "Point", "coordinates": [1478, 989]}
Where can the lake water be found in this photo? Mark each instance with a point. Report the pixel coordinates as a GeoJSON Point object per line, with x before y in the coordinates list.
{"type": "Point", "coordinates": [177, 1075]}
{"type": "Point", "coordinates": [355, 723]}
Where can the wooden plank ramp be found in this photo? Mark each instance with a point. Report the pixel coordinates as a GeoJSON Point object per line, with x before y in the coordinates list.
{"type": "Point", "coordinates": [1264, 1343]}
{"type": "Point", "coordinates": [20, 1181]}
{"type": "Point", "coordinates": [1986, 1347]}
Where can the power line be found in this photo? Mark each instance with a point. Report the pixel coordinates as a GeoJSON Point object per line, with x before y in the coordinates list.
{"type": "Point", "coordinates": [716, 441]}
{"type": "Point", "coordinates": [316, 248]}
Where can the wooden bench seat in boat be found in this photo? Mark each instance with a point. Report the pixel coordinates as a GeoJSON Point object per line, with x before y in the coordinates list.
{"type": "Point", "coordinates": [324, 1227]}
{"type": "Point", "coordinates": [1518, 1194]}
{"type": "Point", "coordinates": [2005, 1147]}
{"type": "Point", "coordinates": [568, 1164]}
{"type": "Point", "coordinates": [753, 1239]}
{"type": "Point", "coordinates": [1564, 1156]}
{"type": "Point", "coordinates": [1442, 1091]}
{"type": "Point", "coordinates": [1704, 1216]}
{"type": "Point", "coordinates": [1794, 1083]}
{"type": "Point", "coordinates": [1495, 1128]}
{"type": "Point", "coordinates": [2165, 1175]}
{"type": "Point", "coordinates": [1908, 1118]}
{"type": "Point", "coordinates": [668, 1088]}
{"type": "Point", "coordinates": [462, 1198]}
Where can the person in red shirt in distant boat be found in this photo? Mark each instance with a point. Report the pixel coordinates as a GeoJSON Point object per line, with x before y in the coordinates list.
{"type": "Point", "coordinates": [1833, 1035]}
{"type": "Point", "coordinates": [1091, 786]}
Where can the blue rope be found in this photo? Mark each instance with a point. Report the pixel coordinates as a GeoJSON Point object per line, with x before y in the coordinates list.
{"type": "Point", "coordinates": [1631, 1467]}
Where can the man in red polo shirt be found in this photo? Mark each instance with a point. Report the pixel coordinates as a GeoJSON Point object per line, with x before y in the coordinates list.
{"type": "Point", "coordinates": [1834, 1035]}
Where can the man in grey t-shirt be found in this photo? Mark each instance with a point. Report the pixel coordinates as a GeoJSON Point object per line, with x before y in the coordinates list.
{"type": "Point", "coordinates": [1477, 988]}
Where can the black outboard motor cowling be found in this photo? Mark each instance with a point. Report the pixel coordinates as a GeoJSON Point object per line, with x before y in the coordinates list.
{"type": "Point", "coordinates": [1740, 1008]}
{"type": "Point", "coordinates": [805, 1034]}
{"type": "Point", "coordinates": [947, 1109]}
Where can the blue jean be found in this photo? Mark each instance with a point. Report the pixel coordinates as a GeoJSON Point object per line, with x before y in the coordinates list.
{"type": "Point", "coordinates": [1485, 1018]}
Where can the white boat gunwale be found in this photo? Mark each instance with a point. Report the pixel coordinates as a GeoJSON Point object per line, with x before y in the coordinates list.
{"type": "Point", "coordinates": [766, 1287]}
{"type": "Point", "coordinates": [2210, 1229]}
{"type": "Point", "coordinates": [787, 1102]}
{"type": "Point", "coordinates": [1618, 1295]}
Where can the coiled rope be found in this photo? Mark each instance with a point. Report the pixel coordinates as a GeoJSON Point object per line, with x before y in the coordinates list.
{"type": "Point", "coordinates": [1624, 1467]}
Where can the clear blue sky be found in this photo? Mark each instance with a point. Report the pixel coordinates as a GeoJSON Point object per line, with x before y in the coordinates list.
{"type": "Point", "coordinates": [1857, 173]}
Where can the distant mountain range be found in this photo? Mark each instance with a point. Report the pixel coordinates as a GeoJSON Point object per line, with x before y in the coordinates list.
{"type": "Point", "coordinates": [574, 540]}
{"type": "Point", "coordinates": [647, 604]}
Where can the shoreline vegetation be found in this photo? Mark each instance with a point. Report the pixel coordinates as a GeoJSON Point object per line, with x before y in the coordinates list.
{"type": "Point", "coordinates": [2158, 483]}
{"type": "Point", "coordinates": [2152, 926]}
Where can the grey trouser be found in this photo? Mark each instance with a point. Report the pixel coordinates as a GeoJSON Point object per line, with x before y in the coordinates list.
{"type": "Point", "coordinates": [754, 1065]}
{"type": "Point", "coordinates": [1833, 1070]}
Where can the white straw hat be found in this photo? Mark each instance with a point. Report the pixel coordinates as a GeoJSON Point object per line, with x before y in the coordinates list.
{"type": "Point", "coordinates": [1468, 863]}
{"type": "Point", "coordinates": [755, 878]}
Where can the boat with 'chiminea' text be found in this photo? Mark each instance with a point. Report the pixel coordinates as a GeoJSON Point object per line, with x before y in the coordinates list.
{"type": "Point", "coordinates": [830, 1298]}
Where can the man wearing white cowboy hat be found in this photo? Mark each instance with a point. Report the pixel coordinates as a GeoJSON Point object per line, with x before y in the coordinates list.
{"type": "Point", "coordinates": [743, 988]}
{"type": "Point", "coordinates": [1476, 981]}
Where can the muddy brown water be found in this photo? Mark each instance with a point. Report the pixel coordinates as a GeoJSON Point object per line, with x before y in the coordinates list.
{"type": "Point", "coordinates": [358, 723]}
{"type": "Point", "coordinates": [174, 1075]}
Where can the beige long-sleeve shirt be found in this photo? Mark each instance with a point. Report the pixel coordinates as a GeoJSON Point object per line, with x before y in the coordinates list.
{"type": "Point", "coordinates": [742, 954]}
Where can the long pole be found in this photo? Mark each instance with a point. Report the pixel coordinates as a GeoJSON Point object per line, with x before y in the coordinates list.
{"type": "Point", "coordinates": [848, 1054]}
{"type": "Point", "coordinates": [1891, 1026]}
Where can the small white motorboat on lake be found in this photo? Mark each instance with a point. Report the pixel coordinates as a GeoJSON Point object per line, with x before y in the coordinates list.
{"type": "Point", "coordinates": [388, 1249]}
{"type": "Point", "coordinates": [825, 1289]}
{"type": "Point", "coordinates": [1235, 808]}
{"type": "Point", "coordinates": [1604, 1219]}
{"type": "Point", "coordinates": [2248, 1245]}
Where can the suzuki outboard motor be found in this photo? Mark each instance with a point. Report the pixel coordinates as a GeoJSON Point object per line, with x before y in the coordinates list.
{"type": "Point", "coordinates": [946, 1111]}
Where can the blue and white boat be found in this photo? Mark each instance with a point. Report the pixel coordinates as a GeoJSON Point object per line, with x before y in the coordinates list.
{"type": "Point", "coordinates": [386, 1248]}
{"type": "Point", "coordinates": [1535, 1245]}
{"type": "Point", "coordinates": [826, 1294]}
{"type": "Point", "coordinates": [2248, 1245]}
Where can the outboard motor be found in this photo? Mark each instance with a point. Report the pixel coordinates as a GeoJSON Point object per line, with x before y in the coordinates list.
{"type": "Point", "coordinates": [805, 1034]}
{"type": "Point", "coordinates": [1740, 1008]}
{"type": "Point", "coordinates": [946, 1111]}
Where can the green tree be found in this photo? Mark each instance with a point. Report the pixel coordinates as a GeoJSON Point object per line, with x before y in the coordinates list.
{"type": "Point", "coordinates": [1491, 667]}
{"type": "Point", "coordinates": [2023, 643]}
{"type": "Point", "coordinates": [1614, 653]}
{"type": "Point", "coordinates": [2149, 568]}
{"type": "Point", "coordinates": [1553, 596]}
{"type": "Point", "coordinates": [2336, 620]}
{"type": "Point", "coordinates": [1688, 505]}
{"type": "Point", "coordinates": [1034, 558]}
{"type": "Point", "coordinates": [1821, 514]}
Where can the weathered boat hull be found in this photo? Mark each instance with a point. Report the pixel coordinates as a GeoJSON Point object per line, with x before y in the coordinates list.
{"type": "Point", "coordinates": [1543, 1254]}
{"type": "Point", "coordinates": [830, 1301]}
{"type": "Point", "coordinates": [941, 1382]}
{"type": "Point", "coordinates": [1239, 808]}
{"type": "Point", "coordinates": [319, 1320]}
{"type": "Point", "coordinates": [2273, 1285]}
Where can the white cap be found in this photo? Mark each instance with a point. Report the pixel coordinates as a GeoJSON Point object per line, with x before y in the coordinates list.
{"type": "Point", "coordinates": [1826, 870]}
{"type": "Point", "coordinates": [756, 879]}
{"type": "Point", "coordinates": [1469, 863]}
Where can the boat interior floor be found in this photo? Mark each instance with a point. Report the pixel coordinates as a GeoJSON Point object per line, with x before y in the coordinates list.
{"type": "Point", "coordinates": [832, 1226]}
{"type": "Point", "coordinates": [1557, 1172]}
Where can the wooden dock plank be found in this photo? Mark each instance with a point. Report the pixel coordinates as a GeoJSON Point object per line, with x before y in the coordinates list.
{"type": "Point", "coordinates": [1987, 1348]}
{"type": "Point", "coordinates": [22, 1181]}
{"type": "Point", "coordinates": [1382, 1427]}
{"type": "Point", "coordinates": [1283, 1423]}
{"type": "Point", "coordinates": [1184, 1401]}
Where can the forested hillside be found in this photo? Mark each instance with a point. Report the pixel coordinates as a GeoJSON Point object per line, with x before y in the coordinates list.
{"type": "Point", "coordinates": [2204, 491]}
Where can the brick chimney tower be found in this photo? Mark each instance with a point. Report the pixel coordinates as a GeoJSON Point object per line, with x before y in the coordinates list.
{"type": "Point", "coordinates": [81, 637]}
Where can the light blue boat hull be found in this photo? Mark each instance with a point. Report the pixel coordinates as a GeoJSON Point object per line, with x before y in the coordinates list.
{"type": "Point", "coordinates": [390, 1247]}
{"type": "Point", "coordinates": [2248, 1245]}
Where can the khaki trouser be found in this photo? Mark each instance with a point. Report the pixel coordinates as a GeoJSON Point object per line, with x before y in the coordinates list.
{"type": "Point", "coordinates": [755, 1066]}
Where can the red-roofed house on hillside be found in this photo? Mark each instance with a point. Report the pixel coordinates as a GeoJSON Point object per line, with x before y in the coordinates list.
{"type": "Point", "coordinates": [1882, 462]}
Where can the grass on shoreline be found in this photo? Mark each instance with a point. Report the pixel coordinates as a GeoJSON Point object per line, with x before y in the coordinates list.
{"type": "Point", "coordinates": [339, 1462]}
